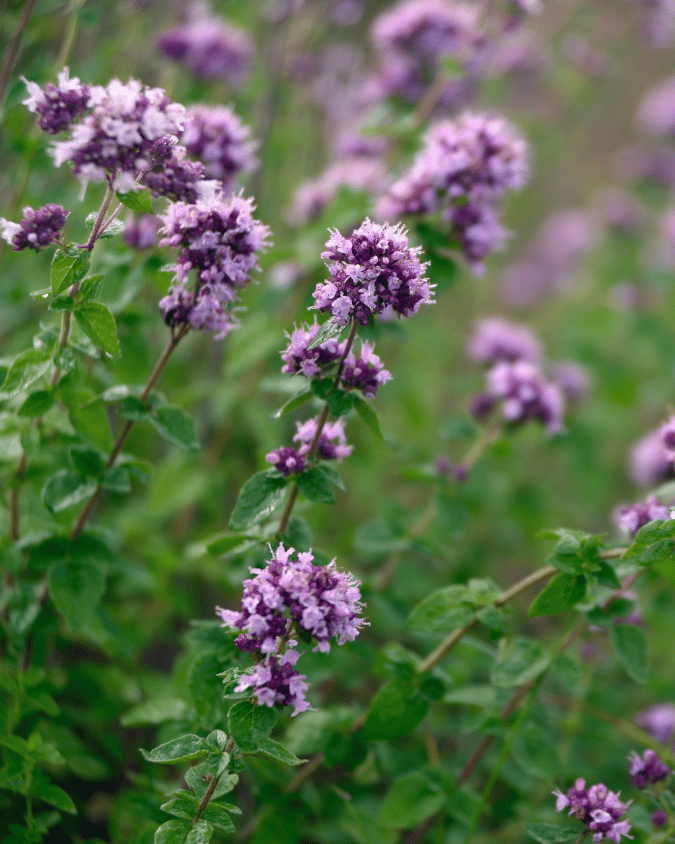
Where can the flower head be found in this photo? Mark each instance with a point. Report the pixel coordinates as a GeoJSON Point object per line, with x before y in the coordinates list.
{"type": "Point", "coordinates": [598, 808]}
{"type": "Point", "coordinates": [288, 461]}
{"type": "Point", "coordinates": [275, 681]}
{"type": "Point", "coordinates": [216, 137]}
{"type": "Point", "coordinates": [57, 105]}
{"type": "Point", "coordinates": [659, 721]}
{"type": "Point", "coordinates": [209, 47]}
{"type": "Point", "coordinates": [646, 769]}
{"type": "Point", "coordinates": [332, 443]}
{"type": "Point", "coordinates": [372, 269]}
{"type": "Point", "coordinates": [650, 460]}
{"type": "Point", "coordinates": [298, 358]}
{"type": "Point", "coordinates": [526, 395]}
{"type": "Point", "coordinates": [496, 339]}
{"type": "Point", "coordinates": [365, 372]}
{"type": "Point", "coordinates": [631, 519]}
{"type": "Point", "coordinates": [39, 227]}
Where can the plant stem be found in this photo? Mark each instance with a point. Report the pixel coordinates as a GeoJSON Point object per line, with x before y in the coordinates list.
{"type": "Point", "coordinates": [212, 787]}
{"type": "Point", "coordinates": [293, 495]}
{"type": "Point", "coordinates": [128, 425]}
{"type": "Point", "coordinates": [13, 47]}
{"type": "Point", "coordinates": [506, 597]}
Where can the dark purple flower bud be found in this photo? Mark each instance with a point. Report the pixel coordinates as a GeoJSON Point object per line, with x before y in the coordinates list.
{"type": "Point", "coordinates": [288, 461]}
{"type": "Point", "coordinates": [598, 808]}
{"type": "Point", "coordinates": [58, 105]}
{"type": "Point", "coordinates": [364, 373]}
{"type": "Point", "coordinates": [216, 137]}
{"type": "Point", "coordinates": [631, 519]}
{"type": "Point", "coordinates": [480, 406]}
{"type": "Point", "coordinates": [659, 721]}
{"type": "Point", "coordinates": [496, 339]}
{"type": "Point", "coordinates": [332, 444]}
{"type": "Point", "coordinates": [38, 228]}
{"type": "Point", "coordinates": [210, 47]}
{"type": "Point", "coordinates": [659, 818]}
{"type": "Point", "coordinates": [142, 233]}
{"type": "Point", "coordinates": [372, 269]}
{"type": "Point", "coordinates": [647, 769]}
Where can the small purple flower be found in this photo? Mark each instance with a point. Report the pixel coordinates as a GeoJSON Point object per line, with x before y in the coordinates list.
{"type": "Point", "coordinates": [332, 444]}
{"type": "Point", "coordinates": [631, 519]}
{"type": "Point", "coordinates": [650, 462]}
{"type": "Point", "coordinates": [659, 721]}
{"type": "Point", "coordinates": [210, 47]}
{"type": "Point", "coordinates": [496, 339]}
{"type": "Point", "coordinates": [58, 105]}
{"type": "Point", "coordinates": [39, 227]}
{"type": "Point", "coordinates": [364, 373]}
{"type": "Point", "coordinates": [298, 358]}
{"type": "Point", "coordinates": [288, 461]}
{"type": "Point", "coordinates": [216, 137]}
{"type": "Point", "coordinates": [598, 808]}
{"type": "Point", "coordinates": [526, 395]}
{"type": "Point", "coordinates": [646, 769]}
{"type": "Point", "coordinates": [275, 681]}
{"type": "Point", "coordinates": [659, 818]}
{"type": "Point", "coordinates": [142, 233]}
{"type": "Point", "coordinates": [178, 179]}
{"type": "Point", "coordinates": [372, 269]}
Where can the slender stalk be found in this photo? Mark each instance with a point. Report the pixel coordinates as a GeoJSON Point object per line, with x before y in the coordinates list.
{"type": "Point", "coordinates": [212, 787]}
{"type": "Point", "coordinates": [128, 425]}
{"type": "Point", "coordinates": [13, 47]}
{"type": "Point", "coordinates": [293, 494]}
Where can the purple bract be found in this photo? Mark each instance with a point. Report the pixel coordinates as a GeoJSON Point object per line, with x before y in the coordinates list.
{"type": "Point", "coordinates": [275, 681]}
{"type": "Point", "coordinates": [288, 461]}
{"type": "Point", "coordinates": [631, 519]}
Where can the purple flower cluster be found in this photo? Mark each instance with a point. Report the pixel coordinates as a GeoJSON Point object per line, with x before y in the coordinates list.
{"type": "Point", "coordinates": [659, 721]}
{"type": "Point", "coordinates": [39, 227]}
{"type": "Point", "coordinates": [332, 442]}
{"type": "Point", "coordinates": [320, 601]}
{"type": "Point", "coordinates": [286, 460]}
{"type": "Point", "coordinates": [647, 769]}
{"type": "Point", "coordinates": [298, 358]}
{"type": "Point", "coordinates": [463, 170]}
{"type": "Point", "coordinates": [496, 339]}
{"type": "Point", "coordinates": [58, 105]}
{"type": "Point", "coordinates": [598, 808]}
{"type": "Point", "coordinates": [631, 519]}
{"type": "Point", "coordinates": [177, 178]}
{"type": "Point", "coordinates": [365, 373]}
{"type": "Point", "coordinates": [371, 271]}
{"type": "Point", "coordinates": [142, 233]}
{"type": "Point", "coordinates": [209, 47]}
{"type": "Point", "coordinates": [126, 130]}
{"type": "Point", "coordinates": [216, 137]}
{"type": "Point", "coordinates": [650, 461]}
{"type": "Point", "coordinates": [220, 239]}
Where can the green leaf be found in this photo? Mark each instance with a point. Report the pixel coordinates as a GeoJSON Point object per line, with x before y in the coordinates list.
{"type": "Point", "coordinates": [115, 479]}
{"type": "Point", "coordinates": [76, 588]}
{"type": "Point", "coordinates": [293, 404]}
{"type": "Point", "coordinates": [561, 593]}
{"type": "Point", "coordinates": [249, 724]}
{"type": "Point", "coordinates": [630, 647]}
{"type": "Point", "coordinates": [271, 748]}
{"type": "Point", "coordinates": [37, 403]}
{"type": "Point", "coordinates": [330, 328]}
{"type": "Point", "coordinates": [395, 711]}
{"type": "Point", "coordinates": [172, 832]}
{"type": "Point", "coordinates": [99, 325]}
{"type": "Point", "coordinates": [139, 200]}
{"type": "Point", "coordinates": [259, 497]}
{"type": "Point", "coordinates": [369, 416]}
{"type": "Point", "coordinates": [182, 749]}
{"type": "Point", "coordinates": [339, 403]}
{"type": "Point", "coordinates": [524, 660]}
{"type": "Point", "coordinates": [66, 270]}
{"type": "Point", "coordinates": [217, 814]}
{"type": "Point", "coordinates": [113, 228]}
{"type": "Point", "coordinates": [90, 419]}
{"type": "Point", "coordinates": [66, 489]}
{"type": "Point", "coordinates": [442, 611]}
{"type": "Point", "coordinates": [330, 472]}
{"type": "Point", "coordinates": [28, 367]}
{"type": "Point", "coordinates": [55, 796]}
{"type": "Point", "coordinates": [653, 543]}
{"type": "Point", "coordinates": [86, 460]}
{"type": "Point", "coordinates": [175, 426]}
{"type": "Point", "coordinates": [535, 753]}
{"type": "Point", "coordinates": [62, 303]}
{"type": "Point", "coordinates": [90, 287]}
{"type": "Point", "coordinates": [200, 833]}
{"type": "Point", "coordinates": [546, 833]}
{"type": "Point", "coordinates": [484, 696]}
{"type": "Point", "coordinates": [155, 711]}
{"type": "Point", "coordinates": [133, 408]}
{"type": "Point", "coordinates": [321, 387]}
{"type": "Point", "coordinates": [183, 805]}
{"type": "Point", "coordinates": [411, 800]}
{"type": "Point", "coordinates": [315, 486]}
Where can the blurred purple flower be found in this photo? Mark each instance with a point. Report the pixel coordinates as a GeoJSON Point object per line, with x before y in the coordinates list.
{"type": "Point", "coordinates": [572, 379]}
{"type": "Point", "coordinates": [39, 227]}
{"type": "Point", "coordinates": [524, 395]}
{"type": "Point", "coordinates": [647, 769]}
{"type": "Point", "coordinates": [659, 818]}
{"type": "Point", "coordinates": [598, 808]}
{"type": "Point", "coordinates": [216, 137]}
{"type": "Point", "coordinates": [332, 443]}
{"type": "Point", "coordinates": [495, 339]}
{"type": "Point", "coordinates": [210, 47]}
{"type": "Point", "coordinates": [58, 105]}
{"type": "Point", "coordinates": [657, 110]}
{"type": "Point", "coordinates": [658, 721]}
{"type": "Point", "coordinates": [650, 462]}
{"type": "Point", "coordinates": [142, 233]}
{"type": "Point", "coordinates": [288, 461]}
{"type": "Point", "coordinates": [631, 519]}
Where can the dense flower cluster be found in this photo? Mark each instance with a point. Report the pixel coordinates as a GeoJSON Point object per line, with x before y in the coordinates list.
{"type": "Point", "coordinates": [496, 339]}
{"type": "Point", "coordinates": [216, 137]}
{"type": "Point", "coordinates": [291, 593]}
{"type": "Point", "coordinates": [298, 358]}
{"type": "Point", "coordinates": [39, 227]}
{"type": "Point", "coordinates": [332, 442]}
{"type": "Point", "coordinates": [598, 808]}
{"type": "Point", "coordinates": [220, 239]}
{"type": "Point", "coordinates": [659, 721]}
{"type": "Point", "coordinates": [209, 47]}
{"type": "Point", "coordinates": [365, 372]}
{"type": "Point", "coordinates": [372, 270]}
{"type": "Point", "coordinates": [58, 106]}
{"type": "Point", "coordinates": [126, 130]}
{"type": "Point", "coordinates": [286, 460]}
{"type": "Point", "coordinates": [631, 519]}
{"type": "Point", "coordinates": [463, 170]}
{"type": "Point", "coordinates": [178, 179]}
{"type": "Point", "coordinates": [647, 769]}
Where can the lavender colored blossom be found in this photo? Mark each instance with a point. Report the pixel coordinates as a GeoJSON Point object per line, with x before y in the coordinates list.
{"type": "Point", "coordinates": [320, 600]}
{"type": "Point", "coordinates": [657, 110]}
{"type": "Point", "coordinates": [142, 233]}
{"type": "Point", "coordinates": [209, 47]}
{"type": "Point", "coordinates": [275, 681]}
{"type": "Point", "coordinates": [497, 339]}
{"type": "Point", "coordinates": [288, 461]}
{"type": "Point", "coordinates": [364, 373]}
{"type": "Point", "coordinates": [646, 769]}
{"type": "Point", "coordinates": [129, 130]}
{"type": "Point", "coordinates": [659, 818]}
{"type": "Point", "coordinates": [631, 519]}
{"type": "Point", "coordinates": [598, 808]}
{"type": "Point", "coordinates": [178, 179]}
{"type": "Point", "coordinates": [526, 395]}
{"type": "Point", "coordinates": [650, 462]}
{"type": "Point", "coordinates": [372, 269]}
{"type": "Point", "coordinates": [220, 239]}
{"type": "Point", "coordinates": [57, 105]}
{"type": "Point", "coordinates": [216, 137]}
{"type": "Point", "coordinates": [300, 359]}
{"type": "Point", "coordinates": [39, 227]}
{"type": "Point", "coordinates": [572, 379]}
{"type": "Point", "coordinates": [659, 721]}
{"type": "Point", "coordinates": [332, 443]}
